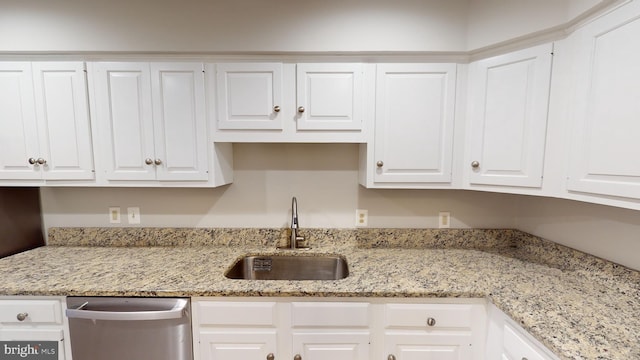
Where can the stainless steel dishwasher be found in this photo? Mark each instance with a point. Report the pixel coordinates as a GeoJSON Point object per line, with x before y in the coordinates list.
{"type": "Point", "coordinates": [109, 328]}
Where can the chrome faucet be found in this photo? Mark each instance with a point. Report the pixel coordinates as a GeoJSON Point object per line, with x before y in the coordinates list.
{"type": "Point", "coordinates": [295, 225]}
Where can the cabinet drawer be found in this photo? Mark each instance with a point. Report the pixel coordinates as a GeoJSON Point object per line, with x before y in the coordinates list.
{"type": "Point", "coordinates": [429, 316]}
{"type": "Point", "coordinates": [330, 314]}
{"type": "Point", "coordinates": [517, 347]}
{"type": "Point", "coordinates": [237, 313]}
{"type": "Point", "coordinates": [30, 311]}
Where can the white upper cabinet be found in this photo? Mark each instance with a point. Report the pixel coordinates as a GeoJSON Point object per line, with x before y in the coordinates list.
{"type": "Point", "coordinates": [414, 126]}
{"type": "Point", "coordinates": [44, 122]}
{"type": "Point", "coordinates": [605, 108]}
{"type": "Point", "coordinates": [180, 126]}
{"type": "Point", "coordinates": [63, 120]}
{"type": "Point", "coordinates": [151, 121]}
{"type": "Point", "coordinates": [507, 118]}
{"type": "Point", "coordinates": [282, 102]}
{"type": "Point", "coordinates": [124, 120]}
{"type": "Point", "coordinates": [329, 96]}
{"type": "Point", "coordinates": [249, 96]}
{"type": "Point", "coordinates": [18, 129]}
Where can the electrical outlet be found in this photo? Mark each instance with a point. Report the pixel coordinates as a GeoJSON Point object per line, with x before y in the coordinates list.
{"type": "Point", "coordinates": [362, 217]}
{"type": "Point", "coordinates": [444, 220]}
{"type": "Point", "coordinates": [114, 215]}
{"type": "Point", "coordinates": [133, 215]}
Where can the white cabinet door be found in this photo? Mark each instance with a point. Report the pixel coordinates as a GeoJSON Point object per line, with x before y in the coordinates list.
{"type": "Point", "coordinates": [34, 335]}
{"type": "Point", "coordinates": [329, 96]}
{"type": "Point", "coordinates": [509, 97]}
{"type": "Point", "coordinates": [506, 340]}
{"type": "Point", "coordinates": [180, 127]}
{"type": "Point", "coordinates": [335, 345]}
{"type": "Point", "coordinates": [604, 154]}
{"type": "Point", "coordinates": [413, 345]}
{"type": "Point", "coordinates": [18, 129]}
{"type": "Point", "coordinates": [152, 121]}
{"type": "Point", "coordinates": [63, 120]}
{"type": "Point", "coordinates": [434, 331]}
{"type": "Point", "coordinates": [517, 347]}
{"type": "Point", "coordinates": [414, 123]}
{"type": "Point", "coordinates": [250, 96]}
{"type": "Point", "coordinates": [237, 344]}
{"type": "Point", "coordinates": [125, 121]}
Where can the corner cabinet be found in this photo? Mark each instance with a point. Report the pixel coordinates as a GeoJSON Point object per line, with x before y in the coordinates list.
{"type": "Point", "coordinates": [414, 127]}
{"type": "Point", "coordinates": [506, 340]}
{"type": "Point", "coordinates": [44, 122]}
{"type": "Point", "coordinates": [280, 102]}
{"type": "Point", "coordinates": [357, 329]}
{"type": "Point", "coordinates": [605, 107]}
{"type": "Point", "coordinates": [507, 118]}
{"type": "Point", "coordinates": [150, 122]}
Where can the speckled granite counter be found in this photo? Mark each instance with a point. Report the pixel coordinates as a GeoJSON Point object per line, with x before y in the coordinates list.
{"type": "Point", "coordinates": [580, 306]}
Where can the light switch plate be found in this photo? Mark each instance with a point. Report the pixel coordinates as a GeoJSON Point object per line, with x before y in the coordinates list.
{"type": "Point", "coordinates": [133, 215]}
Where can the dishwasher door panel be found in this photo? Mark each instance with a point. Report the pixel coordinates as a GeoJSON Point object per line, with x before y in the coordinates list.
{"type": "Point", "coordinates": [125, 334]}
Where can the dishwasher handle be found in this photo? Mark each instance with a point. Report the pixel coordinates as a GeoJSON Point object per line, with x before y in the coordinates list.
{"type": "Point", "coordinates": [177, 312]}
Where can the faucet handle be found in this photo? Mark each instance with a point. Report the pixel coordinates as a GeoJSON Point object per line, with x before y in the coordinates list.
{"type": "Point", "coordinates": [301, 239]}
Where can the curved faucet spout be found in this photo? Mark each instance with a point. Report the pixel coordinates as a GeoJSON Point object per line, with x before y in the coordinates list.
{"type": "Point", "coordinates": [294, 213]}
{"type": "Point", "coordinates": [295, 225]}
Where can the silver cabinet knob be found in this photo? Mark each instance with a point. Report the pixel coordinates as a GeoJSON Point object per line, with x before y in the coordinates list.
{"type": "Point", "coordinates": [475, 164]}
{"type": "Point", "coordinates": [300, 109]}
{"type": "Point", "coordinates": [41, 161]}
{"type": "Point", "coordinates": [276, 108]}
{"type": "Point", "coordinates": [431, 321]}
{"type": "Point", "coordinates": [22, 316]}
{"type": "Point", "coordinates": [271, 356]}
{"type": "Point", "coordinates": [32, 161]}
{"type": "Point", "coordinates": [380, 163]}
{"type": "Point", "coordinates": [148, 161]}
{"type": "Point", "coordinates": [157, 162]}
{"type": "Point", "coordinates": [524, 358]}
{"type": "Point", "coordinates": [297, 357]}
{"type": "Point", "coordinates": [391, 357]}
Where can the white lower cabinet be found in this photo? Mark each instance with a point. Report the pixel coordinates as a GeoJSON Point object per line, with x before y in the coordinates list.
{"type": "Point", "coordinates": [506, 340]}
{"type": "Point", "coordinates": [358, 329]}
{"type": "Point", "coordinates": [241, 344]}
{"type": "Point", "coordinates": [33, 325]}
{"type": "Point", "coordinates": [330, 330]}
{"type": "Point", "coordinates": [434, 331]}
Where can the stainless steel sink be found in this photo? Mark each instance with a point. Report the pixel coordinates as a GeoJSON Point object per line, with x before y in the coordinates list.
{"type": "Point", "coordinates": [289, 267]}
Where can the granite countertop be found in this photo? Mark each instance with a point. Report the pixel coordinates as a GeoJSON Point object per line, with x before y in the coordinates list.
{"type": "Point", "coordinates": [579, 306]}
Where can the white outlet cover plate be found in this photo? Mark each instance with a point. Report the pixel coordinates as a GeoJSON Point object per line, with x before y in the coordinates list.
{"type": "Point", "coordinates": [362, 217]}
{"type": "Point", "coordinates": [114, 215]}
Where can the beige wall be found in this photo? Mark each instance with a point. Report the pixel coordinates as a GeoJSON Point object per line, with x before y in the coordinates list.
{"type": "Point", "coordinates": [324, 178]}
{"type": "Point", "coordinates": [274, 25]}
{"type": "Point", "coordinates": [234, 26]}
{"type": "Point", "coordinates": [608, 232]}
